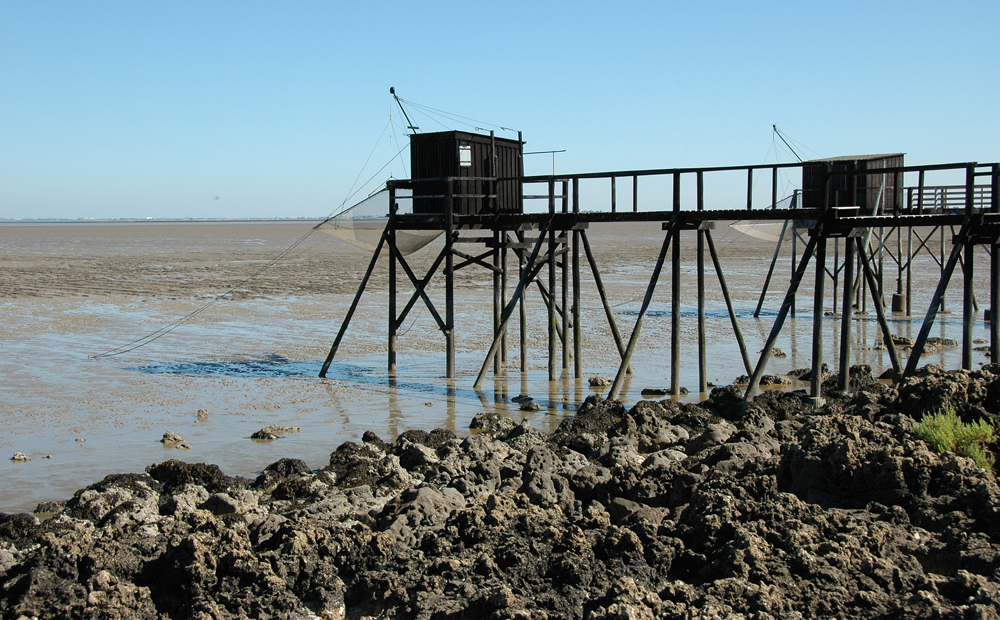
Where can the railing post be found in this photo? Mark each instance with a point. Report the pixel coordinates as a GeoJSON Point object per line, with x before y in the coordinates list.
{"type": "Point", "coordinates": [774, 187]}
{"type": "Point", "coordinates": [614, 196]}
{"type": "Point", "coordinates": [749, 189]}
{"type": "Point", "coordinates": [635, 193]}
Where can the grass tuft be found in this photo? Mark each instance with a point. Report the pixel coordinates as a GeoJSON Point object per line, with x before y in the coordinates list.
{"type": "Point", "coordinates": [946, 432]}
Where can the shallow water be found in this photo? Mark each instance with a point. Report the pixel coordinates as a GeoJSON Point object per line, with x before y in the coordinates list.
{"type": "Point", "coordinates": [70, 291]}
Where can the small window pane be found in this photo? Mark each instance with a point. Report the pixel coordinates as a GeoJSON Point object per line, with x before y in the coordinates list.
{"type": "Point", "coordinates": [465, 156]}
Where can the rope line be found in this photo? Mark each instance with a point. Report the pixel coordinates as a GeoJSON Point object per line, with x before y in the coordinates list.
{"type": "Point", "coordinates": [163, 331]}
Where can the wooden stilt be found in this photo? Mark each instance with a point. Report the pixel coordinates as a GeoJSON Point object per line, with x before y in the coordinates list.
{"type": "Point", "coordinates": [552, 283]}
{"type": "Point", "coordinates": [577, 335]}
{"type": "Point", "coordinates": [936, 300]}
{"type": "Point", "coordinates": [496, 294]}
{"type": "Point", "coordinates": [634, 338]}
{"type": "Point", "coordinates": [729, 303]}
{"type": "Point", "coordinates": [604, 298]}
{"type": "Point", "coordinates": [847, 316]}
{"type": "Point", "coordinates": [503, 297]}
{"type": "Point", "coordinates": [883, 322]}
{"type": "Point", "coordinates": [522, 313]}
{"type": "Point", "coordinates": [509, 310]}
{"type": "Point", "coordinates": [770, 270]}
{"type": "Point", "coordinates": [995, 271]}
{"type": "Point", "coordinates": [816, 383]}
{"type": "Point", "coordinates": [354, 304]}
{"type": "Point", "coordinates": [675, 295]}
{"type": "Point", "coordinates": [449, 272]}
{"type": "Point", "coordinates": [702, 345]}
{"type": "Point", "coordinates": [393, 325]}
{"type": "Point", "coordinates": [786, 307]}
{"type": "Point", "coordinates": [969, 305]}
{"type": "Point", "coordinates": [564, 288]}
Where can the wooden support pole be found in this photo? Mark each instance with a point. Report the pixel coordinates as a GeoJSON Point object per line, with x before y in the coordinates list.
{"type": "Point", "coordinates": [449, 272]}
{"type": "Point", "coordinates": [816, 383]}
{"type": "Point", "coordinates": [702, 344]}
{"type": "Point", "coordinates": [936, 303]}
{"type": "Point", "coordinates": [729, 303]}
{"type": "Point", "coordinates": [393, 325]}
{"type": "Point", "coordinates": [770, 270]}
{"type": "Point", "coordinates": [577, 333]}
{"type": "Point", "coordinates": [354, 304]}
{"type": "Point", "coordinates": [995, 272]}
{"type": "Point", "coordinates": [634, 338]}
{"type": "Point", "coordinates": [503, 296]}
{"type": "Point", "coordinates": [604, 298]}
{"type": "Point", "coordinates": [509, 310]}
{"type": "Point", "coordinates": [522, 313]}
{"type": "Point", "coordinates": [496, 295]}
{"type": "Point", "coordinates": [552, 283]}
{"type": "Point", "coordinates": [675, 296]}
{"type": "Point", "coordinates": [883, 322]}
{"type": "Point", "coordinates": [786, 306]}
{"type": "Point", "coordinates": [968, 294]}
{"type": "Point", "coordinates": [564, 289]}
{"type": "Point", "coordinates": [968, 311]}
{"type": "Point", "coordinates": [847, 316]}
{"type": "Point", "coordinates": [614, 195]}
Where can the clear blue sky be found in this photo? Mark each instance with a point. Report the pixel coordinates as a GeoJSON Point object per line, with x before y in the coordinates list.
{"type": "Point", "coordinates": [261, 109]}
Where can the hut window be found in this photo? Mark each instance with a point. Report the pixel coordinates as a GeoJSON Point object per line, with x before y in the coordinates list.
{"type": "Point", "coordinates": [465, 156]}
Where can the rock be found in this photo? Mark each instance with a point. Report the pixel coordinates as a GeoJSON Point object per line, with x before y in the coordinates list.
{"type": "Point", "coordinates": [274, 431]}
{"type": "Point", "coordinates": [775, 352]}
{"type": "Point", "coordinates": [202, 415]}
{"type": "Point", "coordinates": [531, 405]}
{"type": "Point", "coordinates": [493, 423]}
{"type": "Point", "coordinates": [599, 381]}
{"type": "Point", "coordinates": [20, 457]}
{"type": "Point", "coordinates": [774, 381]}
{"type": "Point", "coordinates": [171, 439]}
{"type": "Point", "coordinates": [655, 391]}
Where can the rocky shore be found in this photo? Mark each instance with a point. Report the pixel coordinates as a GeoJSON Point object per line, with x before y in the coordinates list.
{"type": "Point", "coordinates": [776, 510]}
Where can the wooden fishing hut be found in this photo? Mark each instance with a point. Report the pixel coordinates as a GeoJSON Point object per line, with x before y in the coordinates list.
{"type": "Point", "coordinates": [472, 188]}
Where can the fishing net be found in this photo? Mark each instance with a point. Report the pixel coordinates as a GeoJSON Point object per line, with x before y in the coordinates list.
{"type": "Point", "coordinates": [770, 231]}
{"type": "Point", "coordinates": [362, 225]}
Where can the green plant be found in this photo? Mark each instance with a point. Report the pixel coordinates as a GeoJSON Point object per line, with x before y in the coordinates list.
{"type": "Point", "coordinates": [946, 432]}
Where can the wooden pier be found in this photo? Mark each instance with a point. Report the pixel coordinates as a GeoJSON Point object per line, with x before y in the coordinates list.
{"type": "Point", "coordinates": [862, 201]}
